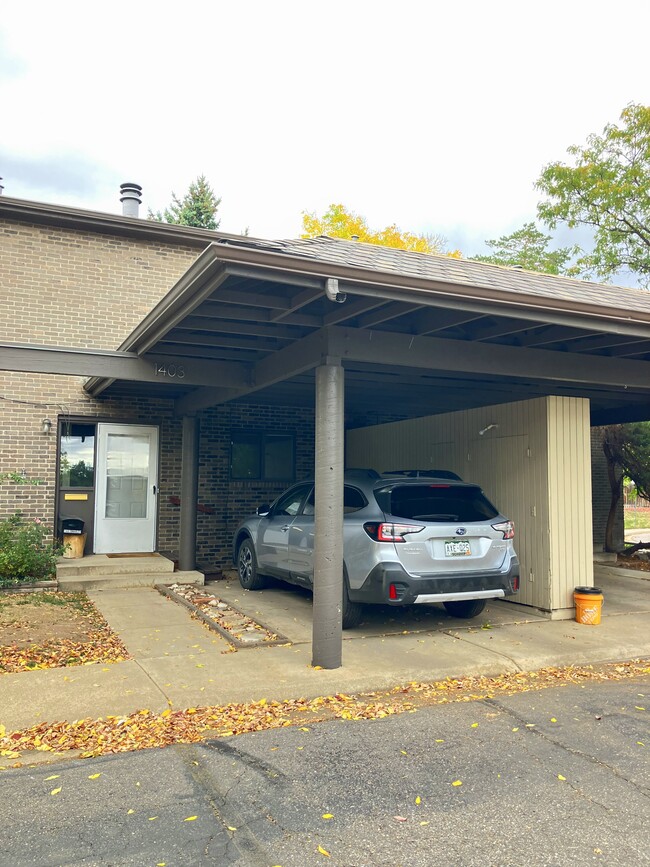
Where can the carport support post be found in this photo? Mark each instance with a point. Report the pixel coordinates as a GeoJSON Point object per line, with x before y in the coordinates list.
{"type": "Point", "coordinates": [328, 541]}
{"type": "Point", "coordinates": [189, 493]}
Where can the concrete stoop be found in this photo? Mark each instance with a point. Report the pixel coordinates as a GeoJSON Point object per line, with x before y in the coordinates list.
{"type": "Point", "coordinates": [100, 572]}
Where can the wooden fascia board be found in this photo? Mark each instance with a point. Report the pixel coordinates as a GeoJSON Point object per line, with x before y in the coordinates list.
{"type": "Point", "coordinates": [119, 364]}
{"type": "Point", "coordinates": [301, 356]}
{"type": "Point", "coordinates": [404, 350]}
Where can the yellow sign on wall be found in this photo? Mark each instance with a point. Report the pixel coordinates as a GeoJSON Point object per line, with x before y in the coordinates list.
{"type": "Point", "coordinates": [75, 496]}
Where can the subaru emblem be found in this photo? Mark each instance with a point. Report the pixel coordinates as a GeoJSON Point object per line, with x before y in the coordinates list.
{"type": "Point", "coordinates": [461, 531]}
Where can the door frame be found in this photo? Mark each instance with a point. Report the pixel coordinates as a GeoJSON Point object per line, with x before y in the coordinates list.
{"type": "Point", "coordinates": [152, 481]}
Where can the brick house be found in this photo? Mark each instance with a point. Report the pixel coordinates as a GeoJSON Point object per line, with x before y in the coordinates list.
{"type": "Point", "coordinates": [89, 283]}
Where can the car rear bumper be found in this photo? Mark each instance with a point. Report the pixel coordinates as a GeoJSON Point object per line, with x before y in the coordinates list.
{"type": "Point", "coordinates": [410, 590]}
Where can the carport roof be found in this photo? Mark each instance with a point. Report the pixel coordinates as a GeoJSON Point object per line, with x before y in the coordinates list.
{"type": "Point", "coordinates": [417, 333]}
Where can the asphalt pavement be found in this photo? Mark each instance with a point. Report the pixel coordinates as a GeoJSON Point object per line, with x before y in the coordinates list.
{"type": "Point", "coordinates": [539, 778]}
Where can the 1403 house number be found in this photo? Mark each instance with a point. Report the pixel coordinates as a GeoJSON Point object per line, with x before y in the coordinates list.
{"type": "Point", "coordinates": [171, 371]}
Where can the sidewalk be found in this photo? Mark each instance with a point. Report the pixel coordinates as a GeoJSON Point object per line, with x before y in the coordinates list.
{"type": "Point", "coordinates": [178, 662]}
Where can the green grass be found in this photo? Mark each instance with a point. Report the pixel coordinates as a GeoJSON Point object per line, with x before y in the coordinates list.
{"type": "Point", "coordinates": [637, 519]}
{"type": "Point", "coordinates": [79, 601]}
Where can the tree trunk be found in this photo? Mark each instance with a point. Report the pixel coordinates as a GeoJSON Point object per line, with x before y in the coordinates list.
{"type": "Point", "coordinates": [616, 488]}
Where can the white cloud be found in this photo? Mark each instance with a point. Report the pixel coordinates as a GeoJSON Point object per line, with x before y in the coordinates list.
{"type": "Point", "coordinates": [437, 118]}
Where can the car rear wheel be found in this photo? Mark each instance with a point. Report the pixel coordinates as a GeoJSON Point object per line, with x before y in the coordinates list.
{"type": "Point", "coordinates": [351, 612]}
{"type": "Point", "coordinates": [466, 608]}
{"type": "Point", "coordinates": [249, 577]}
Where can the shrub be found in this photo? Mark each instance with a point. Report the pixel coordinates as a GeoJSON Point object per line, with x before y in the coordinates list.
{"type": "Point", "coordinates": [27, 551]}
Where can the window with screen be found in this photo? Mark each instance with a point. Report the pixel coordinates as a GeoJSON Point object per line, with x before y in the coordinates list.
{"type": "Point", "coordinates": [262, 456]}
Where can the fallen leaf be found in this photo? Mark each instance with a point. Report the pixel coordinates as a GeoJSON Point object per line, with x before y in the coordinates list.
{"type": "Point", "coordinates": [400, 819]}
{"type": "Point", "coordinates": [439, 741]}
{"type": "Point", "coordinates": [52, 777]}
{"type": "Point", "coordinates": [328, 815]}
{"type": "Point", "coordinates": [474, 725]}
{"type": "Point", "coordinates": [403, 752]}
{"type": "Point", "coordinates": [324, 852]}
{"type": "Point", "coordinates": [516, 729]}
{"type": "Point", "coordinates": [231, 828]}
{"type": "Point", "coordinates": [94, 776]}
{"type": "Point", "coordinates": [152, 818]}
{"type": "Point", "coordinates": [190, 819]}
{"type": "Point", "coordinates": [128, 812]}
{"type": "Point", "coordinates": [418, 800]}
{"type": "Point", "coordinates": [425, 823]}
{"type": "Point", "coordinates": [553, 719]}
{"type": "Point", "coordinates": [560, 777]}
{"type": "Point", "coordinates": [56, 791]}
{"type": "Point", "coordinates": [457, 783]}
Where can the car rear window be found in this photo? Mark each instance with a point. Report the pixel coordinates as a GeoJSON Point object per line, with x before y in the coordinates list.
{"type": "Point", "coordinates": [435, 503]}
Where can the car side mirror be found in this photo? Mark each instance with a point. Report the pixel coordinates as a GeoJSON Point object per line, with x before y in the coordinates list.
{"type": "Point", "coordinates": [263, 511]}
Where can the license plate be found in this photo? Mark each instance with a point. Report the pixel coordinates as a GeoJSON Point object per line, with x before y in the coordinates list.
{"type": "Point", "coordinates": [457, 549]}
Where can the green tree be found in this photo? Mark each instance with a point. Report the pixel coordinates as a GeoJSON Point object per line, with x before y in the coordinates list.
{"type": "Point", "coordinates": [339, 222]}
{"type": "Point", "coordinates": [627, 450]}
{"type": "Point", "coordinates": [198, 207]}
{"type": "Point", "coordinates": [528, 249]}
{"type": "Point", "coordinates": [607, 189]}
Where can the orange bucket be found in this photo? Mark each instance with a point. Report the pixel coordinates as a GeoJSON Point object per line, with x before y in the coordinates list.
{"type": "Point", "coordinates": [589, 603]}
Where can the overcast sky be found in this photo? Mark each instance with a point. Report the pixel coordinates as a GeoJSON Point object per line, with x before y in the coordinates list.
{"type": "Point", "coordinates": [438, 117]}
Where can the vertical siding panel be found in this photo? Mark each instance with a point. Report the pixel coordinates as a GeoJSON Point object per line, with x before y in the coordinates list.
{"type": "Point", "coordinates": [499, 462]}
{"type": "Point", "coordinates": [569, 487]}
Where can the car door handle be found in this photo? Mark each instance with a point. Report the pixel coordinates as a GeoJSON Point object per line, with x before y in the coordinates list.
{"type": "Point", "coordinates": [285, 528]}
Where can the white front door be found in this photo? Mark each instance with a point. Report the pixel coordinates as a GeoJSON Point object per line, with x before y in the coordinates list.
{"type": "Point", "coordinates": [127, 481]}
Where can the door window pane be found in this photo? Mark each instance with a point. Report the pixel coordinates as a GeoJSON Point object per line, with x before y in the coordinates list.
{"type": "Point", "coordinates": [127, 476]}
{"type": "Point", "coordinates": [77, 461]}
{"type": "Point", "coordinates": [289, 504]}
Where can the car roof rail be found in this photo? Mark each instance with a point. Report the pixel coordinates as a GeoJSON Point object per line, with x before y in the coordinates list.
{"type": "Point", "coordinates": [416, 474]}
{"type": "Point", "coordinates": [361, 473]}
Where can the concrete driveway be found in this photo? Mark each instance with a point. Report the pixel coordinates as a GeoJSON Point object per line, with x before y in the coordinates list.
{"type": "Point", "coordinates": [288, 610]}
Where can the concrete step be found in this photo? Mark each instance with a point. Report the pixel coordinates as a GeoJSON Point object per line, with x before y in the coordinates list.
{"type": "Point", "coordinates": [101, 564]}
{"type": "Point", "coordinates": [113, 581]}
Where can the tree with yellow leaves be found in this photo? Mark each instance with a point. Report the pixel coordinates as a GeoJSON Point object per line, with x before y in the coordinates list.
{"type": "Point", "coordinates": [339, 222]}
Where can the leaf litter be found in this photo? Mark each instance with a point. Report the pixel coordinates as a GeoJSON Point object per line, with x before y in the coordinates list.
{"type": "Point", "coordinates": [54, 630]}
{"type": "Point", "coordinates": [144, 729]}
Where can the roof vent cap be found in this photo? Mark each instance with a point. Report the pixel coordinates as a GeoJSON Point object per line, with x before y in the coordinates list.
{"type": "Point", "coordinates": [131, 198]}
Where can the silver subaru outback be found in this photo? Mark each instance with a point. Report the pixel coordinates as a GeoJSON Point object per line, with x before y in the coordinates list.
{"type": "Point", "coordinates": [406, 539]}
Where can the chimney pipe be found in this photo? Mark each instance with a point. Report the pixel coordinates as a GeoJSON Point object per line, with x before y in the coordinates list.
{"type": "Point", "coordinates": [131, 199]}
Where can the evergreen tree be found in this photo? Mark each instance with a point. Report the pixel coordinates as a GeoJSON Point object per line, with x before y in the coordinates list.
{"type": "Point", "coordinates": [198, 207]}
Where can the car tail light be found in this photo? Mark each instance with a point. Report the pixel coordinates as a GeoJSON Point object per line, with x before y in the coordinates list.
{"type": "Point", "coordinates": [507, 528]}
{"type": "Point", "coordinates": [515, 583]}
{"type": "Point", "coordinates": [396, 591]}
{"type": "Point", "coordinates": [390, 532]}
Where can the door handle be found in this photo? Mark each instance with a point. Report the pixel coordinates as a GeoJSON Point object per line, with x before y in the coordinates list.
{"type": "Point", "coordinates": [154, 490]}
{"type": "Point", "coordinates": [285, 528]}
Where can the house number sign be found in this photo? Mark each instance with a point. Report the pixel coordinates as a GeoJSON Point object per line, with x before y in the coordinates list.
{"type": "Point", "coordinates": [171, 371]}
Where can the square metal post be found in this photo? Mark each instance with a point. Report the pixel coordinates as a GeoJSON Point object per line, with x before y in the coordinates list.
{"type": "Point", "coordinates": [328, 542]}
{"type": "Point", "coordinates": [189, 493]}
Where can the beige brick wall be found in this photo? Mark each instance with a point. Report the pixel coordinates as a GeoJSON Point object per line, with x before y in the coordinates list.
{"type": "Point", "coordinates": [79, 288]}
{"type": "Point", "coordinates": [83, 289]}
{"type": "Point", "coordinates": [63, 287]}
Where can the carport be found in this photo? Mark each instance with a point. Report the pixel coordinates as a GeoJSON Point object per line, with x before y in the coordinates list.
{"type": "Point", "coordinates": [377, 335]}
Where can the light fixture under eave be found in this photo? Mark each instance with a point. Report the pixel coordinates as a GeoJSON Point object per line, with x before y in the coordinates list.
{"type": "Point", "coordinates": [46, 426]}
{"type": "Point", "coordinates": [486, 429]}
